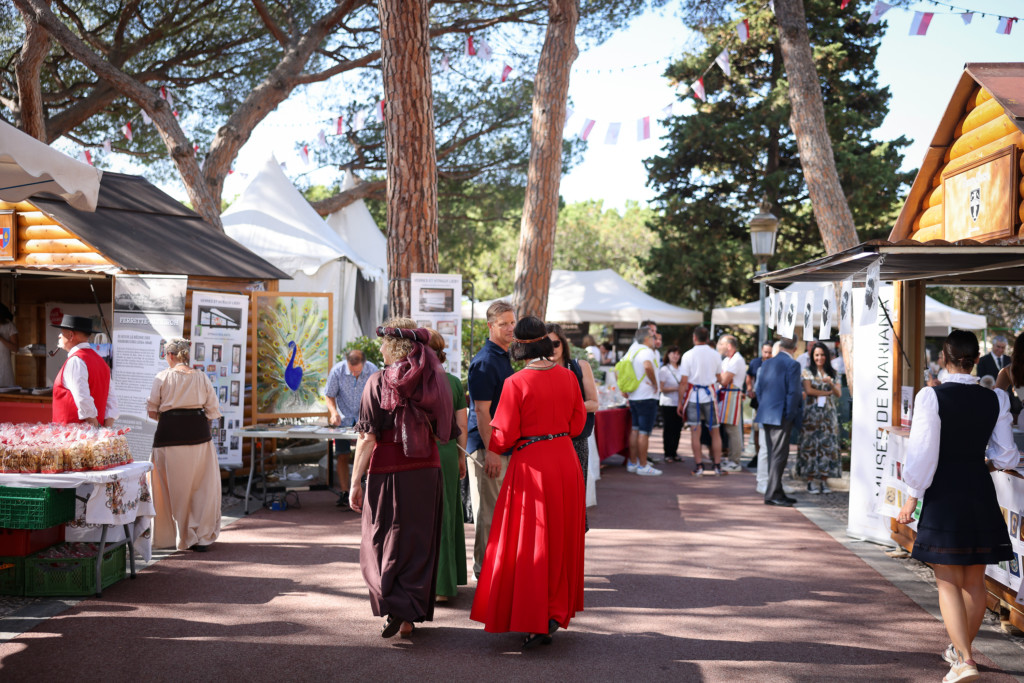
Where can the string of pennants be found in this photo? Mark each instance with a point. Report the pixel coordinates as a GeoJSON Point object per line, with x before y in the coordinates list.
{"type": "Point", "coordinates": [922, 20]}
{"type": "Point", "coordinates": [785, 310]}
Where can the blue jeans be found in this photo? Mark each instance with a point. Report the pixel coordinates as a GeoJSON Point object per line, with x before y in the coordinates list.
{"type": "Point", "coordinates": [643, 413]}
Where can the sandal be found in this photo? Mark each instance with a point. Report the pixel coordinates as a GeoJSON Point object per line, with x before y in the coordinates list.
{"type": "Point", "coordinates": [950, 655]}
{"type": "Point", "coordinates": [391, 626]}
{"type": "Point", "coordinates": [534, 639]}
{"type": "Point", "coordinates": [402, 633]}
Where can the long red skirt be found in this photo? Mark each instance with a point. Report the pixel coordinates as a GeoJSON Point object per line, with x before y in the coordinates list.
{"type": "Point", "coordinates": [533, 568]}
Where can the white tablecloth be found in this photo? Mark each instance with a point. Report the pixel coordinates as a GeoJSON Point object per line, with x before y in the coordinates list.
{"type": "Point", "coordinates": [118, 496]}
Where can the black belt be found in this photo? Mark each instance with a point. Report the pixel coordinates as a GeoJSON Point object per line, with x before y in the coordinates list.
{"type": "Point", "coordinates": [529, 440]}
{"type": "Point", "coordinates": [184, 411]}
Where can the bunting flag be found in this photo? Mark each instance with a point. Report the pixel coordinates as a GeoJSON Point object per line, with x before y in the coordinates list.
{"type": "Point", "coordinates": [127, 130]}
{"type": "Point", "coordinates": [484, 51]}
{"type": "Point", "coordinates": [808, 316]}
{"type": "Point", "coordinates": [470, 50]}
{"type": "Point", "coordinates": [612, 136]}
{"type": "Point", "coordinates": [145, 118]}
{"type": "Point", "coordinates": [166, 95]}
{"type": "Point", "coordinates": [919, 26]}
{"type": "Point", "coordinates": [871, 290]}
{"type": "Point", "coordinates": [844, 4]}
{"type": "Point", "coordinates": [722, 60]}
{"type": "Point", "coordinates": [588, 125]}
{"type": "Point", "coordinates": [1005, 25]}
{"type": "Point", "coordinates": [444, 63]}
{"type": "Point", "coordinates": [339, 126]}
{"type": "Point", "coordinates": [106, 146]}
{"type": "Point", "coordinates": [743, 30]}
{"type": "Point", "coordinates": [769, 309]}
{"type": "Point", "coordinates": [359, 121]}
{"type": "Point", "coordinates": [668, 111]}
{"type": "Point", "coordinates": [304, 153]}
{"type": "Point", "coordinates": [195, 149]}
{"type": "Point", "coordinates": [321, 139]}
{"type": "Point", "coordinates": [828, 307]}
{"type": "Point", "coordinates": [846, 308]}
{"type": "Point", "coordinates": [967, 16]}
{"type": "Point", "coordinates": [643, 128]}
{"type": "Point", "coordinates": [85, 156]}
{"type": "Point", "coordinates": [698, 89]}
{"type": "Point", "coordinates": [505, 71]}
{"type": "Point", "coordinates": [378, 111]}
{"type": "Point", "coordinates": [876, 16]}
{"type": "Point", "coordinates": [175, 112]}
{"type": "Point", "coordinates": [569, 111]}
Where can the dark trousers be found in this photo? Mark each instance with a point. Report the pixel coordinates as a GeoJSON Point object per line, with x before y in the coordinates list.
{"type": "Point", "coordinates": [777, 443]}
{"type": "Point", "coordinates": [672, 427]}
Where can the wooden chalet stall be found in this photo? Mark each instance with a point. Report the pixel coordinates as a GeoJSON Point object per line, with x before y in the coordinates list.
{"type": "Point", "coordinates": [960, 225]}
{"type": "Point", "coordinates": [66, 255]}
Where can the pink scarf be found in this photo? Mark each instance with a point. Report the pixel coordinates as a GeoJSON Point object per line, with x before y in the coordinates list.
{"type": "Point", "coordinates": [416, 391]}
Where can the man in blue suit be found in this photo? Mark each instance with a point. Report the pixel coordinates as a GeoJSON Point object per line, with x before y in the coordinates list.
{"type": "Point", "coordinates": [779, 407]}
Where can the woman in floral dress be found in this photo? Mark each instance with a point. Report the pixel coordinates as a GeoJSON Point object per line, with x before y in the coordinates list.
{"type": "Point", "coordinates": [818, 458]}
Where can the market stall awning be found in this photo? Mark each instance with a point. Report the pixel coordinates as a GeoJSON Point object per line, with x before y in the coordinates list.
{"type": "Point", "coordinates": [28, 166]}
{"type": "Point", "coordinates": [139, 228]}
{"type": "Point", "coordinates": [938, 263]}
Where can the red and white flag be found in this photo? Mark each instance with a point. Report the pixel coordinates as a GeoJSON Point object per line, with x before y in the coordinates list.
{"type": "Point", "coordinates": [743, 30]}
{"type": "Point", "coordinates": [106, 146]}
{"type": "Point", "coordinates": [378, 111]}
{"type": "Point", "coordinates": [879, 9]}
{"type": "Point", "coordinates": [643, 128]}
{"type": "Point", "coordinates": [1005, 25]}
{"type": "Point", "coordinates": [484, 51]}
{"type": "Point", "coordinates": [470, 50]}
{"type": "Point", "coordinates": [588, 125]}
{"type": "Point", "coordinates": [339, 126]}
{"type": "Point", "coordinates": [569, 111]}
{"type": "Point", "coordinates": [668, 110]}
{"type": "Point", "coordinates": [843, 4]}
{"type": "Point", "coordinates": [505, 71]}
{"type": "Point", "coordinates": [195, 148]}
{"type": "Point", "coordinates": [444, 63]}
{"type": "Point", "coordinates": [698, 89]}
{"type": "Point", "coordinates": [359, 121]}
{"type": "Point", "coordinates": [612, 136]}
{"type": "Point", "coordinates": [304, 153]}
{"type": "Point", "coordinates": [919, 26]}
{"type": "Point", "coordinates": [966, 17]}
{"type": "Point", "coordinates": [127, 130]}
{"type": "Point", "coordinates": [175, 112]}
{"type": "Point", "coordinates": [166, 94]}
{"type": "Point", "coordinates": [722, 60]}
{"type": "Point", "coordinates": [85, 157]}
{"type": "Point", "coordinates": [145, 118]}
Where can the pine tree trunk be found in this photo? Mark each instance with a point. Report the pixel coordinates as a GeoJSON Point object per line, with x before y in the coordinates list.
{"type": "Point", "coordinates": [27, 68]}
{"type": "Point", "coordinates": [409, 145]}
{"type": "Point", "coordinates": [540, 210]}
{"type": "Point", "coordinates": [807, 119]}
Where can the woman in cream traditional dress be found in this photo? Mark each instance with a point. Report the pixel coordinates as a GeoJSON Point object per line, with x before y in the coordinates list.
{"type": "Point", "coordinates": [186, 480]}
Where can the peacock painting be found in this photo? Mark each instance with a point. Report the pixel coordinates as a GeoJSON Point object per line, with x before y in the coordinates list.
{"type": "Point", "coordinates": [292, 353]}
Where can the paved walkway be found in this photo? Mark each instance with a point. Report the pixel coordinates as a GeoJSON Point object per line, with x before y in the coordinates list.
{"type": "Point", "coordinates": [687, 579]}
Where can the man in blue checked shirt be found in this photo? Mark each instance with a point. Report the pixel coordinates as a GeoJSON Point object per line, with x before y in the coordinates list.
{"type": "Point", "coordinates": [344, 391]}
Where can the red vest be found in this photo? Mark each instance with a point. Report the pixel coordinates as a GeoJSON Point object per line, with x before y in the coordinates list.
{"type": "Point", "coordinates": [65, 411]}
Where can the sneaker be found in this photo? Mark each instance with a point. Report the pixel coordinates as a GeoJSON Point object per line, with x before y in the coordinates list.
{"type": "Point", "coordinates": [698, 471]}
{"type": "Point", "coordinates": [730, 466]}
{"type": "Point", "coordinates": [824, 487]}
{"type": "Point", "coordinates": [632, 467]}
{"type": "Point", "coordinates": [961, 671]}
{"type": "Point", "coordinates": [653, 458]}
{"type": "Point", "coordinates": [648, 471]}
{"type": "Point", "coordinates": [718, 470]}
{"type": "Point", "coordinates": [811, 489]}
{"type": "Point", "coordinates": [949, 655]}
{"type": "Point", "coordinates": [342, 500]}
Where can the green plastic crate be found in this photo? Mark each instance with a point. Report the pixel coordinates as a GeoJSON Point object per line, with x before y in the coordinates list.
{"type": "Point", "coordinates": [23, 508]}
{"type": "Point", "coordinates": [73, 576]}
{"type": "Point", "coordinates": [12, 578]}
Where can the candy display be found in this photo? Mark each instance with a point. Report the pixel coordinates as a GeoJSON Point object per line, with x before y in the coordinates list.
{"type": "Point", "coordinates": [52, 448]}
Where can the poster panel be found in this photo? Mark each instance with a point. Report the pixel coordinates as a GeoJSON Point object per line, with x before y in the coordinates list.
{"type": "Point", "coordinates": [292, 342]}
{"type": "Point", "coordinates": [436, 299]}
{"type": "Point", "coordinates": [220, 323]}
{"type": "Point", "coordinates": [872, 415]}
{"type": "Point", "coordinates": [148, 310]}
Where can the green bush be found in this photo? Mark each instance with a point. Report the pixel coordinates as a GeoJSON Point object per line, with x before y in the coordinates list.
{"type": "Point", "coordinates": [370, 346]}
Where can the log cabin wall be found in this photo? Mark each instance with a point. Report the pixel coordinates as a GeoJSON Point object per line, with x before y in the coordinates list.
{"type": "Point", "coordinates": [44, 242]}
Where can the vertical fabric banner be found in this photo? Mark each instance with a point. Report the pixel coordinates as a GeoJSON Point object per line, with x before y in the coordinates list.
{"type": "Point", "coordinates": [643, 128]}
{"type": "Point", "coordinates": [828, 305]}
{"type": "Point", "coordinates": [220, 330]}
{"type": "Point", "coordinates": [846, 308]}
{"type": "Point", "coordinates": [436, 303]}
{"type": "Point", "coordinates": [808, 315]}
{"type": "Point", "coordinates": [769, 309]}
{"type": "Point", "coordinates": [789, 317]}
{"type": "Point", "coordinates": [780, 310]}
{"type": "Point", "coordinates": [872, 415]}
{"type": "Point", "coordinates": [871, 285]}
{"type": "Point", "coordinates": [148, 310]}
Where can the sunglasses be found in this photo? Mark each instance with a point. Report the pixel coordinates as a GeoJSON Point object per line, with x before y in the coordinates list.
{"type": "Point", "coordinates": [557, 343]}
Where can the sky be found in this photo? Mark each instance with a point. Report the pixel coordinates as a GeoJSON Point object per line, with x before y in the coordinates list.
{"type": "Point", "coordinates": [621, 81]}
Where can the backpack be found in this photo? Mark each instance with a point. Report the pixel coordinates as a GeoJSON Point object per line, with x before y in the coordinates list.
{"type": "Point", "coordinates": [627, 379]}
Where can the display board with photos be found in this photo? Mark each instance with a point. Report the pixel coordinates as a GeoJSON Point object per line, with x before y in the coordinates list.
{"type": "Point", "coordinates": [292, 344]}
{"type": "Point", "coordinates": [436, 303]}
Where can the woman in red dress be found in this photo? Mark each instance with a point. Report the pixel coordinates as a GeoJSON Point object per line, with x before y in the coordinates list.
{"type": "Point", "coordinates": [532, 577]}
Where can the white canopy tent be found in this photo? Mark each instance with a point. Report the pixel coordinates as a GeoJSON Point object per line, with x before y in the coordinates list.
{"type": "Point", "coordinates": [600, 296]}
{"type": "Point", "coordinates": [939, 319]}
{"type": "Point", "coordinates": [28, 166]}
{"type": "Point", "coordinates": [273, 219]}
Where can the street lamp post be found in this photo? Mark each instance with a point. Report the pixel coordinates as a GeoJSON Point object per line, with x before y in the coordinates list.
{"type": "Point", "coordinates": [763, 229]}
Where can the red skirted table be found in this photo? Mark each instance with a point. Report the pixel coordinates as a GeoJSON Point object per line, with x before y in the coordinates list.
{"type": "Point", "coordinates": [611, 431]}
{"type": "Point", "coordinates": [26, 408]}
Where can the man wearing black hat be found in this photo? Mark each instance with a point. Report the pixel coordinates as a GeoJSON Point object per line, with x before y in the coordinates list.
{"type": "Point", "coordinates": [82, 391]}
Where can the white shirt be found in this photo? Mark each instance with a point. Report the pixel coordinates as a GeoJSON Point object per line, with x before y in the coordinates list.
{"type": "Point", "coordinates": [700, 365]}
{"type": "Point", "coordinates": [838, 364]}
{"type": "Point", "coordinates": [76, 380]}
{"type": "Point", "coordinates": [646, 389]}
{"type": "Point", "coordinates": [594, 352]}
{"type": "Point", "coordinates": [923, 445]}
{"type": "Point", "coordinates": [804, 359]}
{"type": "Point", "coordinates": [669, 377]}
{"type": "Point", "coordinates": [738, 367]}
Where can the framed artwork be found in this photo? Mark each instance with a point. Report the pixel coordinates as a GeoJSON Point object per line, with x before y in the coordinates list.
{"type": "Point", "coordinates": [292, 342]}
{"type": "Point", "coordinates": [980, 199]}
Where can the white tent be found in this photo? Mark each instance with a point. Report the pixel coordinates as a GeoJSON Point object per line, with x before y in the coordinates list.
{"type": "Point", "coordinates": [939, 318]}
{"type": "Point", "coordinates": [600, 296]}
{"type": "Point", "coordinates": [28, 166]}
{"type": "Point", "coordinates": [273, 219]}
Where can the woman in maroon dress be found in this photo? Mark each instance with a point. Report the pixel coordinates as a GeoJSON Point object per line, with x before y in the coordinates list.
{"type": "Point", "coordinates": [403, 407]}
{"type": "Point", "coordinates": [532, 577]}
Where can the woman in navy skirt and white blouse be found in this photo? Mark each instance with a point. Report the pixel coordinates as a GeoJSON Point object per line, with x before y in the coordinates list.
{"type": "Point", "coordinates": [956, 426]}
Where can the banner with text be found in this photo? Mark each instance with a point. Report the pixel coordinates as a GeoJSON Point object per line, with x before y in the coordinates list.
{"type": "Point", "coordinates": [219, 332]}
{"type": "Point", "coordinates": [436, 303]}
{"type": "Point", "coordinates": [148, 310]}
